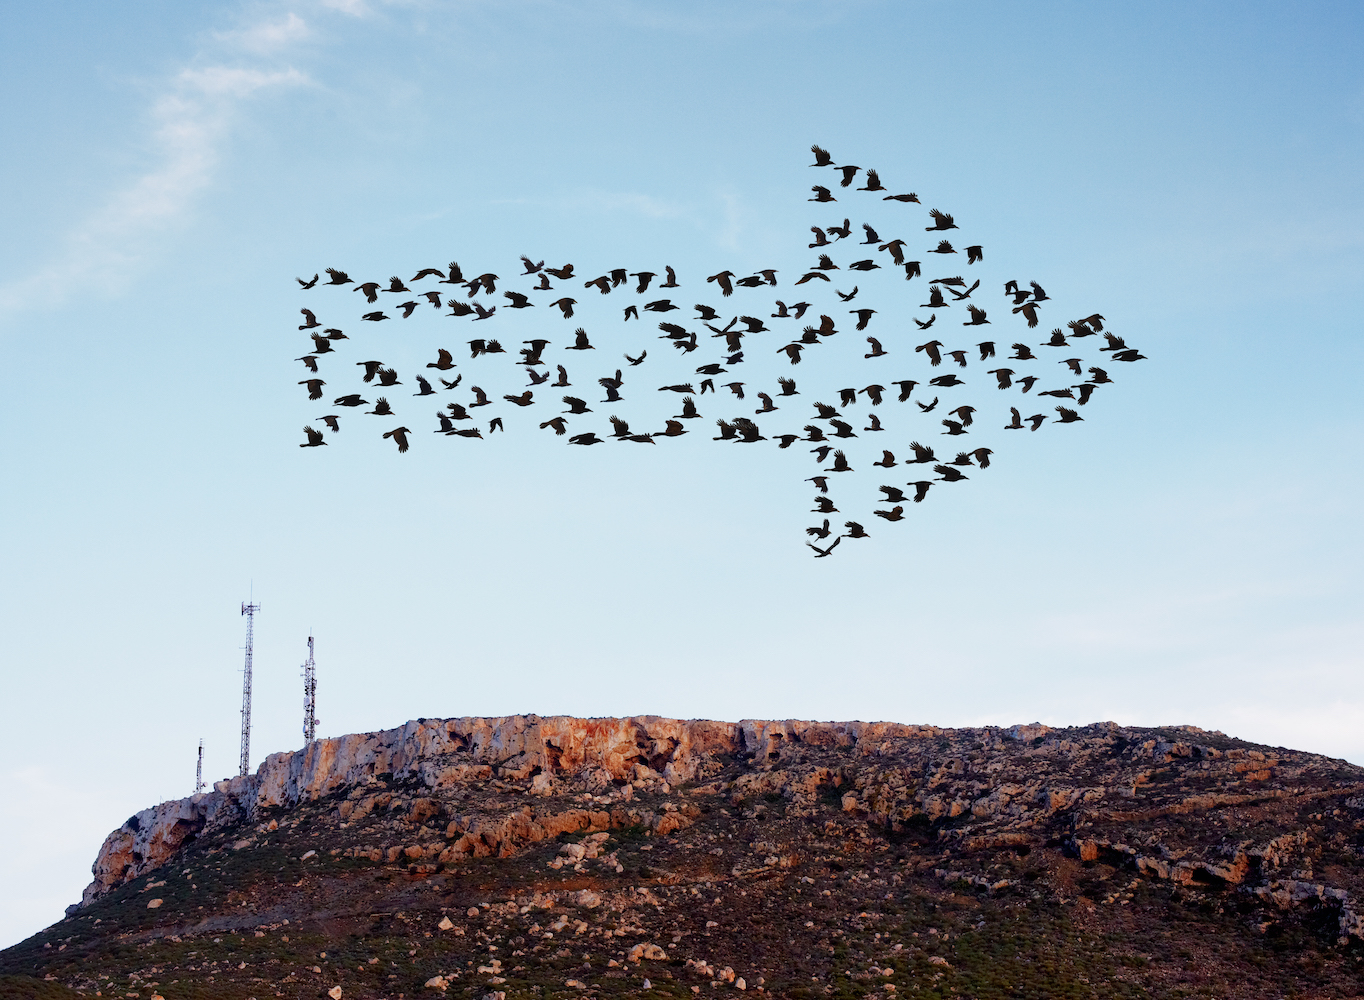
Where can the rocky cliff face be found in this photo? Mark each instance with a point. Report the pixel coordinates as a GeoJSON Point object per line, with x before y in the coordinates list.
{"type": "Point", "coordinates": [805, 859]}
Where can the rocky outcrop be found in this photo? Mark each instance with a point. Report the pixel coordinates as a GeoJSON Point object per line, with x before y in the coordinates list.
{"type": "Point", "coordinates": [432, 791]}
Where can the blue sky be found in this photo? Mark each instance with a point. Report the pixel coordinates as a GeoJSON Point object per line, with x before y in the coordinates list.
{"type": "Point", "coordinates": [1188, 554]}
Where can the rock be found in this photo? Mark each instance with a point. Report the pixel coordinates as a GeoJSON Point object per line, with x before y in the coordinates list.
{"type": "Point", "coordinates": [471, 911]}
{"type": "Point", "coordinates": [939, 960]}
{"type": "Point", "coordinates": [740, 984]}
{"type": "Point", "coordinates": [437, 983]}
{"type": "Point", "coordinates": [334, 993]}
{"type": "Point", "coordinates": [445, 923]}
{"type": "Point", "coordinates": [650, 951]}
{"type": "Point", "coordinates": [152, 904]}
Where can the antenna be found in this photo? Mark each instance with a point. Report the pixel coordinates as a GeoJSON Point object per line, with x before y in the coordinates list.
{"type": "Point", "coordinates": [199, 771]}
{"type": "Point", "coordinates": [309, 697]}
{"type": "Point", "coordinates": [249, 610]}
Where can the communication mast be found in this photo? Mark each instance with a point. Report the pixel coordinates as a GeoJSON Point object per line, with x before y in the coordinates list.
{"type": "Point", "coordinates": [199, 771]}
{"type": "Point", "coordinates": [249, 610]}
{"type": "Point", "coordinates": [309, 697]}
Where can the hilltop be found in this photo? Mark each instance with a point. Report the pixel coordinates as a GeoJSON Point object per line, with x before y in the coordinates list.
{"type": "Point", "coordinates": [553, 857]}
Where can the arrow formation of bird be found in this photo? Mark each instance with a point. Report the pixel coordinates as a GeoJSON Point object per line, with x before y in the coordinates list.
{"type": "Point", "coordinates": [759, 361]}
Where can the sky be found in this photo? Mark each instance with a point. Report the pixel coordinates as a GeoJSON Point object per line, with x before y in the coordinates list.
{"type": "Point", "coordinates": [1188, 554]}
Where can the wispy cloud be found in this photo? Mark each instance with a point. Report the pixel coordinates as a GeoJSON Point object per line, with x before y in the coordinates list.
{"type": "Point", "coordinates": [268, 36]}
{"type": "Point", "coordinates": [355, 8]}
{"type": "Point", "coordinates": [188, 123]}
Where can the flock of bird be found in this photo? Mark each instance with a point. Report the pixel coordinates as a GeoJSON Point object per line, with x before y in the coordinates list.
{"type": "Point", "coordinates": [823, 411]}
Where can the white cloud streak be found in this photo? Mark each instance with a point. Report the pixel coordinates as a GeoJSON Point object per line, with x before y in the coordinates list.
{"type": "Point", "coordinates": [189, 122]}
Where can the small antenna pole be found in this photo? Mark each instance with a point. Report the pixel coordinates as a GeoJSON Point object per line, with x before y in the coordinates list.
{"type": "Point", "coordinates": [309, 697]}
{"type": "Point", "coordinates": [249, 610]}
{"type": "Point", "coordinates": [199, 771]}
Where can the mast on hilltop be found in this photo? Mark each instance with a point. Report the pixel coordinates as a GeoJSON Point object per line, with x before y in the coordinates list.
{"type": "Point", "coordinates": [199, 770]}
{"type": "Point", "coordinates": [309, 697]}
{"type": "Point", "coordinates": [249, 610]}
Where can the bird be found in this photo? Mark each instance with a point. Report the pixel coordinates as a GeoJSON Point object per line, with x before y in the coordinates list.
{"type": "Point", "coordinates": [637, 361]}
{"type": "Point", "coordinates": [458, 308]}
{"type": "Point", "coordinates": [792, 351]}
{"type": "Point", "coordinates": [823, 505]}
{"type": "Point", "coordinates": [425, 387]}
{"type": "Point", "coordinates": [622, 429]}
{"type": "Point", "coordinates": [906, 387]}
{"type": "Point", "coordinates": [948, 474]}
{"type": "Point", "coordinates": [495, 424]}
{"type": "Point", "coordinates": [1038, 419]}
{"type": "Point", "coordinates": [927, 407]}
{"type": "Point", "coordinates": [1004, 375]}
{"type": "Point", "coordinates": [580, 342]}
{"type": "Point", "coordinates": [821, 553]}
{"type": "Point", "coordinates": [1059, 393]}
{"type": "Point", "coordinates": [873, 393]}
{"type": "Point", "coordinates": [335, 277]}
{"type": "Point", "coordinates": [941, 221]}
{"type": "Point", "coordinates": [1128, 355]}
{"type": "Point", "coordinates": [959, 357]}
{"type": "Point", "coordinates": [1022, 352]}
{"type": "Point", "coordinates": [822, 158]}
{"type": "Point", "coordinates": [1086, 390]}
{"type": "Point", "coordinates": [894, 514]}
{"type": "Point", "coordinates": [821, 452]}
{"type": "Point", "coordinates": [559, 424]}
{"type": "Point", "coordinates": [585, 439]}
{"type": "Point", "coordinates": [912, 270]}
{"type": "Point", "coordinates": [433, 298]}
{"type": "Point", "coordinates": [873, 181]}
{"type": "Point", "coordinates": [458, 412]}
{"type": "Point", "coordinates": [602, 284]}
{"type": "Point", "coordinates": [811, 276]}
{"type": "Point", "coordinates": [842, 429]}
{"type": "Point", "coordinates": [673, 429]}
{"type": "Point", "coordinates": [876, 350]}
{"type": "Point", "coordinates": [959, 296]}
{"type": "Point", "coordinates": [875, 423]}
{"type": "Point", "coordinates": [1099, 376]}
{"type": "Point", "coordinates": [820, 239]}
{"type": "Point", "coordinates": [407, 307]}
{"type": "Point", "coordinates": [370, 290]}
{"type": "Point", "coordinates": [847, 296]}
{"type": "Point", "coordinates": [1017, 423]}
{"type": "Point", "coordinates": [565, 305]}
{"type": "Point", "coordinates": [312, 320]}
{"type": "Point", "coordinates": [887, 460]}
{"type": "Point", "coordinates": [351, 400]}
{"type": "Point", "coordinates": [480, 397]}
{"type": "Point", "coordinates": [518, 300]}
{"type": "Point", "coordinates": [821, 194]}
{"type": "Point", "coordinates": [1068, 416]}
{"type": "Point", "coordinates": [975, 253]}
{"type": "Point", "coordinates": [872, 239]}
{"type": "Point", "coordinates": [754, 324]}
{"type": "Point", "coordinates": [576, 405]}
{"type": "Point", "coordinates": [1113, 343]}
{"type": "Point", "coordinates": [849, 172]}
{"type": "Point", "coordinates": [563, 381]}
{"type": "Point", "coordinates": [374, 317]}
{"type": "Point", "coordinates": [381, 408]}
{"type": "Point", "coordinates": [922, 455]}
{"type": "Point", "coordinates": [893, 494]}
{"type": "Point", "coordinates": [767, 406]}
{"type": "Point", "coordinates": [942, 247]}
{"type": "Point", "coordinates": [727, 431]}
{"type": "Point", "coordinates": [931, 350]}
{"type": "Point", "coordinates": [314, 387]}
{"type": "Point", "coordinates": [840, 463]}
{"type": "Point", "coordinates": [935, 300]}
{"type": "Point", "coordinates": [444, 362]}
{"type": "Point", "coordinates": [314, 437]}
{"type": "Point", "coordinates": [902, 197]}
{"type": "Point", "coordinates": [863, 265]}
{"type": "Point", "coordinates": [953, 427]}
{"type": "Point", "coordinates": [309, 362]}
{"type": "Point", "coordinates": [399, 436]}
{"type": "Point", "coordinates": [672, 278]}
{"type": "Point", "coordinates": [946, 381]}
{"type": "Point", "coordinates": [723, 280]}
{"type": "Point", "coordinates": [863, 317]}
{"type": "Point", "coordinates": [977, 316]}
{"type": "Point", "coordinates": [855, 530]}
{"type": "Point", "coordinates": [924, 326]}
{"type": "Point", "coordinates": [822, 531]}
{"type": "Point", "coordinates": [395, 284]}
{"type": "Point", "coordinates": [842, 231]}
{"type": "Point", "coordinates": [683, 388]}
{"type": "Point", "coordinates": [1029, 311]}
{"type": "Point", "coordinates": [522, 400]}
{"type": "Point", "coordinates": [752, 281]}
{"type": "Point", "coordinates": [332, 421]}
{"type": "Point", "coordinates": [921, 488]}
{"type": "Point", "coordinates": [486, 282]}
{"type": "Point", "coordinates": [964, 414]}
{"type": "Point", "coordinates": [644, 278]}
{"type": "Point", "coordinates": [788, 387]}
{"type": "Point", "coordinates": [1027, 382]}
{"type": "Point", "coordinates": [306, 285]}
{"type": "Point", "coordinates": [660, 305]}
{"type": "Point", "coordinates": [1074, 364]}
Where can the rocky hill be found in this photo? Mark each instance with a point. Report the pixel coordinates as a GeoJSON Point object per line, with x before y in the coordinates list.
{"type": "Point", "coordinates": [554, 857]}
